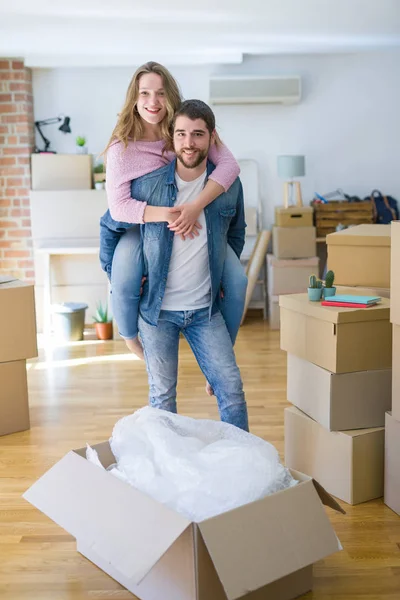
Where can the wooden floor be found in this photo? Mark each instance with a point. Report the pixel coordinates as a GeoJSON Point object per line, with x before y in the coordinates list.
{"type": "Point", "coordinates": [78, 392]}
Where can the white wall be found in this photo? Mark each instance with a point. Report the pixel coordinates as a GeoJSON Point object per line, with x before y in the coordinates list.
{"type": "Point", "coordinates": [347, 123]}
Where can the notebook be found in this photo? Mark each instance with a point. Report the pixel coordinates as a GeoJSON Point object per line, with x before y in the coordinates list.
{"type": "Point", "coordinates": [347, 304]}
{"type": "Point", "coordinates": [348, 298]}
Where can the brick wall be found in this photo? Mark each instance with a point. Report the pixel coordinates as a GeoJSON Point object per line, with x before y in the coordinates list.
{"type": "Point", "coordinates": [16, 145]}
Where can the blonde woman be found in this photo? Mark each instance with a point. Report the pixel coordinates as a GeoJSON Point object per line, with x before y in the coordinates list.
{"type": "Point", "coordinates": [136, 148]}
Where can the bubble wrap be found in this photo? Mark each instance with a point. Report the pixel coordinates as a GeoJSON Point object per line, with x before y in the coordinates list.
{"type": "Point", "coordinates": [198, 467]}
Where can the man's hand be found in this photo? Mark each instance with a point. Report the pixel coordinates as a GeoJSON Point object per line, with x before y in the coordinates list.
{"type": "Point", "coordinates": [186, 224]}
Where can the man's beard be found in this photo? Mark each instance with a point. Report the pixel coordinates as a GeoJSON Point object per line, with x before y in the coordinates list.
{"type": "Point", "coordinates": [199, 154]}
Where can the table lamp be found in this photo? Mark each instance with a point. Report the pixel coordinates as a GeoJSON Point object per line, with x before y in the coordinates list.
{"type": "Point", "coordinates": [65, 128]}
{"type": "Point", "coordinates": [291, 166]}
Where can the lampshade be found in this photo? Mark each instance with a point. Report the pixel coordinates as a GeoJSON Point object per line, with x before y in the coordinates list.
{"type": "Point", "coordinates": [65, 126]}
{"type": "Point", "coordinates": [291, 166]}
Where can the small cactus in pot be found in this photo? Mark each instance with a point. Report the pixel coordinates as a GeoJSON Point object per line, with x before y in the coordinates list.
{"type": "Point", "coordinates": [329, 289]}
{"type": "Point", "coordinates": [314, 289]}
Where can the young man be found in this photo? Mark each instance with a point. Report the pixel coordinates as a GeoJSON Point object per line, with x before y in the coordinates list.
{"type": "Point", "coordinates": [181, 293]}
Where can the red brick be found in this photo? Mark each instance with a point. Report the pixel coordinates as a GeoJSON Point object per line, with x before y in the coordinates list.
{"type": "Point", "coordinates": [23, 192]}
{"type": "Point", "coordinates": [20, 97]}
{"type": "Point", "coordinates": [20, 212]}
{"type": "Point", "coordinates": [8, 224]}
{"type": "Point", "coordinates": [8, 108]}
{"type": "Point", "coordinates": [4, 129]}
{"type": "Point", "coordinates": [26, 202]}
{"type": "Point", "coordinates": [13, 76]}
{"type": "Point", "coordinates": [4, 64]}
{"type": "Point", "coordinates": [23, 160]}
{"type": "Point", "coordinates": [19, 233]}
{"type": "Point", "coordinates": [29, 276]}
{"type": "Point", "coordinates": [7, 264]}
{"type": "Point", "coordinates": [7, 161]}
{"type": "Point", "coordinates": [17, 253]}
{"type": "Point", "coordinates": [18, 118]}
{"type": "Point", "coordinates": [17, 202]}
{"type": "Point", "coordinates": [2, 140]}
{"type": "Point", "coordinates": [26, 223]}
{"type": "Point", "coordinates": [14, 181]}
{"type": "Point", "coordinates": [20, 87]}
{"type": "Point", "coordinates": [13, 171]}
{"type": "Point", "coordinates": [5, 202]}
{"type": "Point", "coordinates": [15, 150]}
{"type": "Point", "coordinates": [17, 64]}
{"type": "Point", "coordinates": [11, 192]}
{"type": "Point", "coordinates": [6, 98]}
{"type": "Point", "coordinates": [9, 244]}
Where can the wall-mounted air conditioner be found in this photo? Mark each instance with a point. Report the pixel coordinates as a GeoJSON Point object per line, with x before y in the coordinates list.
{"type": "Point", "coordinates": [255, 89]}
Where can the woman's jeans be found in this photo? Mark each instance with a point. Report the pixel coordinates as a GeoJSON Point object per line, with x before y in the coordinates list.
{"type": "Point", "coordinates": [126, 279]}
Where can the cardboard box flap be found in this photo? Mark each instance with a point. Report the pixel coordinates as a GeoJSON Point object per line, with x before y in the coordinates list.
{"type": "Point", "coordinates": [128, 529]}
{"type": "Point", "coordinates": [6, 279]}
{"type": "Point", "coordinates": [327, 499]}
{"type": "Point", "coordinates": [266, 540]}
{"type": "Point", "coordinates": [301, 304]}
{"type": "Point", "coordinates": [361, 235]}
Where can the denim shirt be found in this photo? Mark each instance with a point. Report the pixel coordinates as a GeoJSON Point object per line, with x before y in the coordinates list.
{"type": "Point", "coordinates": [225, 224]}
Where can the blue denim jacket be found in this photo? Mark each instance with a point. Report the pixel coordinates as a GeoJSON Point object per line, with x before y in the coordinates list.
{"type": "Point", "coordinates": [225, 224]}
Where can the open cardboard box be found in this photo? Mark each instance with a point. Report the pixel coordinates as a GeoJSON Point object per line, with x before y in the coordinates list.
{"type": "Point", "coordinates": [262, 550]}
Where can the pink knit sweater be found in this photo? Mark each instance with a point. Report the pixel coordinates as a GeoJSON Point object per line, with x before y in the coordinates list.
{"type": "Point", "coordinates": [141, 158]}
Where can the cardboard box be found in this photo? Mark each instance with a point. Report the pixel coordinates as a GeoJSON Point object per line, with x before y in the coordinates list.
{"type": "Point", "coordinates": [14, 408]}
{"type": "Point", "coordinates": [339, 401]}
{"type": "Point", "coordinates": [349, 464]}
{"type": "Point", "coordinates": [290, 276]}
{"type": "Point", "coordinates": [392, 463]}
{"type": "Point", "coordinates": [61, 171]}
{"type": "Point", "coordinates": [17, 320]}
{"type": "Point", "coordinates": [360, 256]}
{"type": "Point", "coordinates": [274, 312]}
{"type": "Point", "coordinates": [394, 273]}
{"type": "Point", "coordinates": [294, 242]}
{"type": "Point", "coordinates": [396, 373]}
{"type": "Point", "coordinates": [341, 340]}
{"type": "Point", "coordinates": [294, 216]}
{"type": "Point", "coordinates": [157, 553]}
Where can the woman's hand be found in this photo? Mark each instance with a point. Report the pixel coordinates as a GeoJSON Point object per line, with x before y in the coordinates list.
{"type": "Point", "coordinates": [186, 224]}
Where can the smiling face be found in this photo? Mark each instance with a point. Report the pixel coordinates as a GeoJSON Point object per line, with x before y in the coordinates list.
{"type": "Point", "coordinates": [192, 141]}
{"type": "Point", "coordinates": [151, 103]}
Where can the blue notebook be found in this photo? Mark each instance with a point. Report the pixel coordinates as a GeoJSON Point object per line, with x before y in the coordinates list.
{"type": "Point", "coordinates": [354, 299]}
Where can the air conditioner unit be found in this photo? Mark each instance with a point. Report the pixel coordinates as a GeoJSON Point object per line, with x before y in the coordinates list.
{"type": "Point", "coordinates": [255, 89]}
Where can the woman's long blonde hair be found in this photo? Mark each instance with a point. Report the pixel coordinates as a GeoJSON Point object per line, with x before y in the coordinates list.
{"type": "Point", "coordinates": [129, 125]}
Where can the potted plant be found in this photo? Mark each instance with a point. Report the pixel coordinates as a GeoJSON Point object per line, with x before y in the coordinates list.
{"type": "Point", "coordinates": [329, 289]}
{"type": "Point", "coordinates": [80, 145]}
{"type": "Point", "coordinates": [314, 289]}
{"type": "Point", "coordinates": [99, 176]}
{"type": "Point", "coordinates": [103, 323]}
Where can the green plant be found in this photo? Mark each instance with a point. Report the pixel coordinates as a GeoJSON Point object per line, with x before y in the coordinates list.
{"type": "Point", "coordinates": [329, 279]}
{"type": "Point", "coordinates": [314, 283]}
{"type": "Point", "coordinates": [101, 315]}
{"type": "Point", "coordinates": [98, 168]}
{"type": "Point", "coordinates": [80, 140]}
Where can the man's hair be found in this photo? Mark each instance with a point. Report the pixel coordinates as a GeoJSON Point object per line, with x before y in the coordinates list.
{"type": "Point", "coordinates": [196, 109]}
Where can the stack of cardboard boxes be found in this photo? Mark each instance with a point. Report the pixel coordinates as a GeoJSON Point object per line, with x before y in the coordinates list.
{"type": "Point", "coordinates": [392, 434]}
{"type": "Point", "coordinates": [339, 373]}
{"type": "Point", "coordinates": [18, 342]}
{"type": "Point", "coordinates": [294, 256]}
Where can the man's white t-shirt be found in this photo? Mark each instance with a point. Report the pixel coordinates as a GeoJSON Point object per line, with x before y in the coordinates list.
{"type": "Point", "coordinates": [189, 284]}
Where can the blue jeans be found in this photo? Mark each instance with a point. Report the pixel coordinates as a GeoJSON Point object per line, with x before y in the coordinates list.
{"type": "Point", "coordinates": [126, 276]}
{"type": "Point", "coordinates": [212, 347]}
